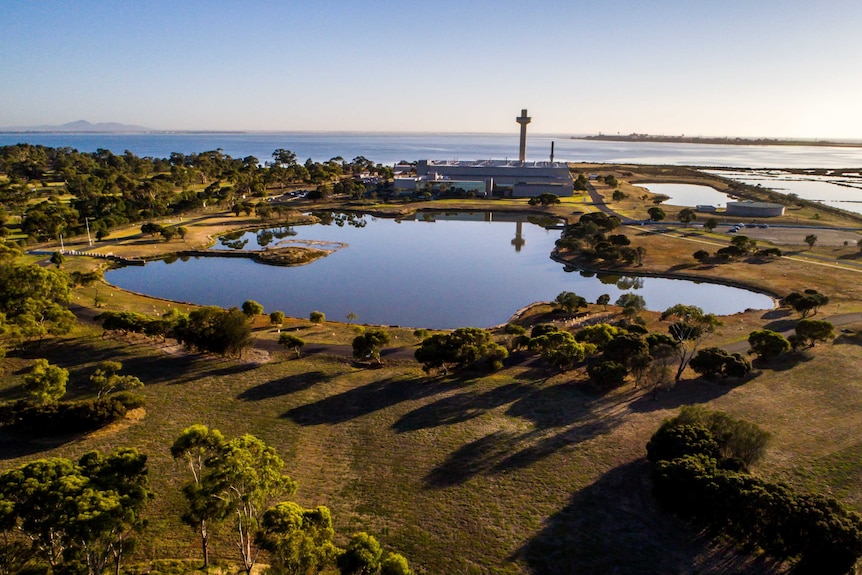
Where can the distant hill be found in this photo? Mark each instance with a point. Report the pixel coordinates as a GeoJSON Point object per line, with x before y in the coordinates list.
{"type": "Point", "coordinates": [81, 126]}
{"type": "Point", "coordinates": [721, 141]}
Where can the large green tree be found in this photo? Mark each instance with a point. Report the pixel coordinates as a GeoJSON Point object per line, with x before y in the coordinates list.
{"type": "Point", "coordinates": [299, 541]}
{"type": "Point", "coordinates": [689, 326]}
{"type": "Point", "coordinates": [462, 348]}
{"type": "Point", "coordinates": [245, 476]}
{"type": "Point", "coordinates": [81, 514]}
{"type": "Point", "coordinates": [46, 383]}
{"type": "Point", "coordinates": [370, 344]}
{"type": "Point", "coordinates": [194, 447]}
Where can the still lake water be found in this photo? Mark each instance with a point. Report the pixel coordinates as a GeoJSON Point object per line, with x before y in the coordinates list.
{"type": "Point", "coordinates": [688, 194]}
{"type": "Point", "coordinates": [447, 273]}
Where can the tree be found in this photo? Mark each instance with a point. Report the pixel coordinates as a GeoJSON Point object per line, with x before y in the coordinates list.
{"type": "Point", "coordinates": [299, 540]}
{"type": "Point", "coordinates": [656, 214]}
{"type": "Point", "coordinates": [744, 243]}
{"type": "Point", "coordinates": [216, 330]}
{"type": "Point", "coordinates": [767, 343]}
{"type": "Point", "coordinates": [607, 373]}
{"type": "Point", "coordinates": [33, 300]}
{"type": "Point", "coordinates": [810, 239]}
{"type": "Point", "coordinates": [701, 255]}
{"type": "Point", "coordinates": [690, 326]}
{"type": "Point", "coordinates": [107, 378]}
{"type": "Point", "coordinates": [544, 199]}
{"type": "Point", "coordinates": [462, 348]}
{"type": "Point", "coordinates": [352, 317]}
{"type": "Point", "coordinates": [57, 258]}
{"type": "Point", "coordinates": [78, 515]}
{"type": "Point", "coordinates": [362, 556]}
{"type": "Point", "coordinates": [291, 341]}
{"type": "Point", "coordinates": [245, 476]}
{"type": "Point", "coordinates": [251, 308]}
{"type": "Point", "coordinates": [812, 331]}
{"type": "Point", "coordinates": [46, 383]}
{"type": "Point", "coordinates": [317, 317]}
{"type": "Point", "coordinates": [276, 318]}
{"type": "Point", "coordinates": [570, 302]}
{"type": "Point", "coordinates": [395, 564]}
{"type": "Point", "coordinates": [710, 224]}
{"type": "Point", "coordinates": [603, 300]}
{"type": "Point", "coordinates": [196, 445]}
{"type": "Point", "coordinates": [631, 303]}
{"type": "Point", "coordinates": [369, 344]}
{"type": "Point", "coordinates": [686, 215]}
{"type": "Point", "coordinates": [182, 231]}
{"type": "Point", "coordinates": [618, 196]}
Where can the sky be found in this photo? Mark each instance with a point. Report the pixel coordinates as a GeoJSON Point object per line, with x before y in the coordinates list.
{"type": "Point", "coordinates": [770, 68]}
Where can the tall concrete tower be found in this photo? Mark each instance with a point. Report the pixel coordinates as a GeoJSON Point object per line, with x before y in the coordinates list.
{"type": "Point", "coordinates": [523, 119]}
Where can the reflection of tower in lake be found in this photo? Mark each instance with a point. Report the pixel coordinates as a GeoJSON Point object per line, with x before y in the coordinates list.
{"type": "Point", "coordinates": [519, 240]}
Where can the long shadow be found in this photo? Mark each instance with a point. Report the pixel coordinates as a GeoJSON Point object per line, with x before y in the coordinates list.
{"type": "Point", "coordinates": [367, 399]}
{"type": "Point", "coordinates": [284, 386]}
{"type": "Point", "coordinates": [458, 408]}
{"type": "Point", "coordinates": [781, 325]}
{"type": "Point", "coordinates": [776, 314]}
{"type": "Point", "coordinates": [577, 416]}
{"type": "Point", "coordinates": [614, 526]}
{"type": "Point", "coordinates": [13, 447]}
{"type": "Point", "coordinates": [685, 392]}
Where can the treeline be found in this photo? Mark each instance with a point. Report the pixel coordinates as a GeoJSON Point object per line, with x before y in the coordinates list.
{"type": "Point", "coordinates": [59, 516]}
{"type": "Point", "coordinates": [700, 461]}
{"type": "Point", "coordinates": [109, 190]}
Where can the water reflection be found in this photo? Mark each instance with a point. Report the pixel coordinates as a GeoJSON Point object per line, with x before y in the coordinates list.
{"type": "Point", "coordinates": [460, 271]}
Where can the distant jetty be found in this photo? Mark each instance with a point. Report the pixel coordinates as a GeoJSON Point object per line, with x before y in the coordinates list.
{"type": "Point", "coordinates": [719, 141]}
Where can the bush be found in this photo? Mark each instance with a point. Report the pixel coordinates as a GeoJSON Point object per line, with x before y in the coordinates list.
{"type": "Point", "coordinates": [68, 417]}
{"type": "Point", "coordinates": [317, 317]}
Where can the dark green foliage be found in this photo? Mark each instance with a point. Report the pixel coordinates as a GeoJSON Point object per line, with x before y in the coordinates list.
{"type": "Point", "coordinates": [570, 302]}
{"type": "Point", "coordinates": [607, 373]}
{"type": "Point", "coordinates": [464, 347]}
{"type": "Point", "coordinates": [317, 317]}
{"type": "Point", "coordinates": [672, 441]}
{"type": "Point", "coordinates": [714, 361]}
{"type": "Point", "coordinates": [701, 255]}
{"type": "Point", "coordinates": [80, 517]}
{"type": "Point", "coordinates": [691, 480]}
{"type": "Point", "coordinates": [729, 253]}
{"type": "Point", "coordinates": [514, 329]}
{"type": "Point", "coordinates": [656, 214]}
{"type": "Point", "coordinates": [767, 343]}
{"type": "Point", "coordinates": [811, 331]}
{"type": "Point", "coordinates": [544, 200]}
{"type": "Point", "coordinates": [686, 215]}
{"type": "Point", "coordinates": [808, 301]}
{"type": "Point", "coordinates": [542, 329]}
{"type": "Point", "coordinates": [251, 308]}
{"type": "Point", "coordinates": [603, 300]}
{"type": "Point", "coordinates": [66, 417]}
{"type": "Point", "coordinates": [362, 556]}
{"type": "Point", "coordinates": [213, 329]}
{"type": "Point", "coordinates": [369, 344]}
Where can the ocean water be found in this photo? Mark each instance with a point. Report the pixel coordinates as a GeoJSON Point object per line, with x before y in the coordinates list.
{"type": "Point", "coordinates": [389, 148]}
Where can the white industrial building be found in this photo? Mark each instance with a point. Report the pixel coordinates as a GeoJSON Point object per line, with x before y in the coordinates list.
{"type": "Point", "coordinates": [498, 177]}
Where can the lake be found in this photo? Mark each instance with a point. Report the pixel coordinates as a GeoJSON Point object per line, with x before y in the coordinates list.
{"type": "Point", "coordinates": [437, 271]}
{"type": "Point", "coordinates": [688, 194]}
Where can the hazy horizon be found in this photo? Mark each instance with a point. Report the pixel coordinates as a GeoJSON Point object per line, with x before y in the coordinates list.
{"type": "Point", "coordinates": [773, 69]}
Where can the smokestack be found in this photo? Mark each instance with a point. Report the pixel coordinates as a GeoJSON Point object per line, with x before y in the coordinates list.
{"type": "Point", "coordinates": [523, 120]}
{"type": "Point", "coordinates": [552, 151]}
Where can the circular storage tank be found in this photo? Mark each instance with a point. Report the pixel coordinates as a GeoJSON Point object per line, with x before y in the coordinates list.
{"type": "Point", "coordinates": [754, 209]}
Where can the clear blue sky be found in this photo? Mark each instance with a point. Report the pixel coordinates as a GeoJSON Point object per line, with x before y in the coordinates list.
{"type": "Point", "coordinates": [782, 68]}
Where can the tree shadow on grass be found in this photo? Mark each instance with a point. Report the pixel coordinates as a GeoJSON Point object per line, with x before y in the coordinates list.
{"type": "Point", "coordinates": [284, 386]}
{"type": "Point", "coordinates": [13, 447]}
{"type": "Point", "coordinates": [367, 399]}
{"type": "Point", "coordinates": [685, 392]}
{"type": "Point", "coordinates": [776, 314]}
{"type": "Point", "coordinates": [614, 526]}
{"type": "Point", "coordinates": [563, 416]}
{"type": "Point", "coordinates": [458, 408]}
{"type": "Point", "coordinates": [781, 325]}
